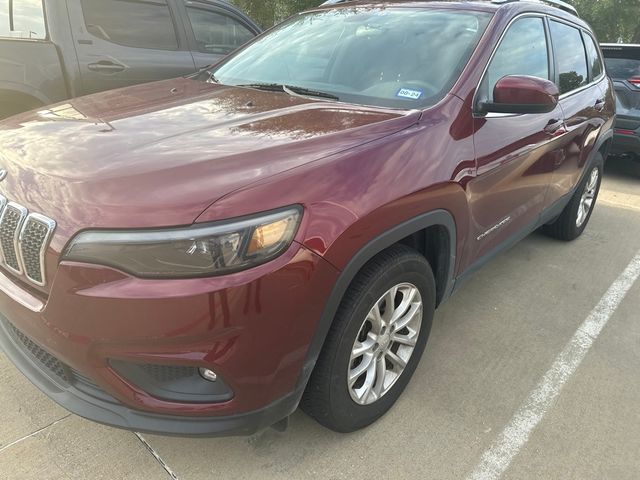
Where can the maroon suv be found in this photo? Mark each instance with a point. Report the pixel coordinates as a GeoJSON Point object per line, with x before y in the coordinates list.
{"type": "Point", "coordinates": [202, 255]}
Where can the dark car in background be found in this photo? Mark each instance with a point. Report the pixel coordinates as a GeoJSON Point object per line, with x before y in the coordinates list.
{"type": "Point", "coordinates": [623, 66]}
{"type": "Point", "coordinates": [52, 50]}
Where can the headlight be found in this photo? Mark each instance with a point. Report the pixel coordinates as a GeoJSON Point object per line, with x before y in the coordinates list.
{"type": "Point", "coordinates": [198, 251]}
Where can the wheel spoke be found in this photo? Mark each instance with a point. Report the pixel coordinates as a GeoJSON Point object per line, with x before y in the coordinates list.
{"type": "Point", "coordinates": [407, 299]}
{"type": "Point", "coordinates": [369, 381]}
{"type": "Point", "coordinates": [389, 299]}
{"type": "Point", "coordinates": [381, 370]}
{"type": "Point", "coordinates": [357, 372]}
{"type": "Point", "coordinates": [376, 319]}
{"type": "Point", "coordinates": [404, 340]}
{"type": "Point", "coordinates": [580, 214]}
{"type": "Point", "coordinates": [588, 203]}
{"type": "Point", "coordinates": [409, 317]}
{"type": "Point", "coordinates": [396, 360]}
{"type": "Point", "coordinates": [362, 347]}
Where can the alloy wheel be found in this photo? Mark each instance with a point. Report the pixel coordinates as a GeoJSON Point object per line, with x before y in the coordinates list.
{"type": "Point", "coordinates": [385, 342]}
{"type": "Point", "coordinates": [588, 197]}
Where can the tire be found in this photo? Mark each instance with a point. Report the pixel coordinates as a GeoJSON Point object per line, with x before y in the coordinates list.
{"type": "Point", "coordinates": [576, 215]}
{"type": "Point", "coordinates": [8, 109]}
{"type": "Point", "coordinates": [329, 398]}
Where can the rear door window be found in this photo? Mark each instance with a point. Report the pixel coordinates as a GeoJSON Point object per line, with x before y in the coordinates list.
{"type": "Point", "coordinates": [593, 57]}
{"type": "Point", "coordinates": [22, 19]}
{"type": "Point", "coordinates": [216, 32]}
{"type": "Point", "coordinates": [133, 23]}
{"type": "Point", "coordinates": [570, 55]}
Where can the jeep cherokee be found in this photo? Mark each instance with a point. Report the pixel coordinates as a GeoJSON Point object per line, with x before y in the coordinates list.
{"type": "Point", "coordinates": [202, 255]}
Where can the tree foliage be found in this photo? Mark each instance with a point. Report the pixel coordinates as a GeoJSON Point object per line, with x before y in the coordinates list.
{"type": "Point", "coordinates": [270, 12]}
{"type": "Point", "coordinates": [612, 20]}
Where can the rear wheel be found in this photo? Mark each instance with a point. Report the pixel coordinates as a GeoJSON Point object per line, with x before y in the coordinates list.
{"type": "Point", "coordinates": [574, 218]}
{"type": "Point", "coordinates": [375, 343]}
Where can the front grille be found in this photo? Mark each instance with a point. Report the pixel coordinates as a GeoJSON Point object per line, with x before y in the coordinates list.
{"type": "Point", "coordinates": [54, 367]}
{"type": "Point", "coordinates": [24, 239]}
{"type": "Point", "coordinates": [48, 361]}
{"type": "Point", "coordinates": [168, 373]}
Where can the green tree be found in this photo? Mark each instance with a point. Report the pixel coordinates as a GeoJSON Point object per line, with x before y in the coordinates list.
{"type": "Point", "coordinates": [270, 12]}
{"type": "Point", "coordinates": [612, 20]}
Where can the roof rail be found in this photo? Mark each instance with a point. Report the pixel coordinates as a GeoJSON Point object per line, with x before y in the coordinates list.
{"type": "Point", "coordinates": [555, 3]}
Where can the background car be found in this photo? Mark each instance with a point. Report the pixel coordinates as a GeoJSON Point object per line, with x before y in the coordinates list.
{"type": "Point", "coordinates": [623, 66]}
{"type": "Point", "coordinates": [53, 50]}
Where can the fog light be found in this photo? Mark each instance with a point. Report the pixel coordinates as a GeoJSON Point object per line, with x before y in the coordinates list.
{"type": "Point", "coordinates": [207, 374]}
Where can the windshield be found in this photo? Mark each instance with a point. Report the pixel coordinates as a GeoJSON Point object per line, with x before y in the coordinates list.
{"type": "Point", "coordinates": [388, 57]}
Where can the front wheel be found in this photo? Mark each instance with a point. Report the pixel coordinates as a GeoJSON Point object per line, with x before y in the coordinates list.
{"type": "Point", "coordinates": [375, 343]}
{"type": "Point", "coordinates": [574, 218]}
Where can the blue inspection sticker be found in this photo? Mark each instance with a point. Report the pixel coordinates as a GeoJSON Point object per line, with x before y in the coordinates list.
{"type": "Point", "coordinates": [410, 93]}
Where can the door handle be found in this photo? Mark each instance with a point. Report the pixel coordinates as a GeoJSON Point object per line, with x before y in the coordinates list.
{"type": "Point", "coordinates": [555, 128]}
{"type": "Point", "coordinates": [600, 104]}
{"type": "Point", "coordinates": [106, 66]}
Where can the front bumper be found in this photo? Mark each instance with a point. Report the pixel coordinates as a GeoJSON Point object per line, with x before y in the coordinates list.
{"type": "Point", "coordinates": [252, 328]}
{"type": "Point", "coordinates": [87, 400]}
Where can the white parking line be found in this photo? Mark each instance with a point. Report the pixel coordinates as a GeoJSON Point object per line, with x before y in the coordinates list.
{"type": "Point", "coordinates": [614, 199]}
{"type": "Point", "coordinates": [496, 460]}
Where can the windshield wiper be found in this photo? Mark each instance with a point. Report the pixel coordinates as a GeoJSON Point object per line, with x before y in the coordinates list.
{"type": "Point", "coordinates": [311, 93]}
{"type": "Point", "coordinates": [291, 90]}
{"type": "Point", "coordinates": [212, 77]}
{"type": "Point", "coordinates": [269, 87]}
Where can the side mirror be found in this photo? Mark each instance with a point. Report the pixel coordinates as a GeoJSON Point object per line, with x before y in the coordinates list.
{"type": "Point", "coordinates": [520, 94]}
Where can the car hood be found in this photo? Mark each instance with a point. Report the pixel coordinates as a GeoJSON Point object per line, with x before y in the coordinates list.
{"type": "Point", "coordinates": [160, 154]}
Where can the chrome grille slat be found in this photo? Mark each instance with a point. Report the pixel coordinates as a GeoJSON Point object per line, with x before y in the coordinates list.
{"type": "Point", "coordinates": [10, 225]}
{"type": "Point", "coordinates": [24, 239]}
{"type": "Point", "coordinates": [34, 239]}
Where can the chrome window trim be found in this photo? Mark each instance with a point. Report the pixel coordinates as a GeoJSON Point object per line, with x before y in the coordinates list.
{"type": "Point", "coordinates": [51, 226]}
{"type": "Point", "coordinates": [16, 236]}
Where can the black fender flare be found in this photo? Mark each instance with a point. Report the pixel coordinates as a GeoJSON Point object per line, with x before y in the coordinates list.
{"type": "Point", "coordinates": [385, 240]}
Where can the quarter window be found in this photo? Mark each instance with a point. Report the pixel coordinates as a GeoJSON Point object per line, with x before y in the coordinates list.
{"type": "Point", "coordinates": [523, 51]}
{"type": "Point", "coordinates": [24, 20]}
{"type": "Point", "coordinates": [593, 56]}
{"type": "Point", "coordinates": [570, 55]}
{"type": "Point", "coordinates": [133, 23]}
{"type": "Point", "coordinates": [216, 32]}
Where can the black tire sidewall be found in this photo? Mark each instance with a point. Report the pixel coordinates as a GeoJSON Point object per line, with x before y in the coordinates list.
{"type": "Point", "coordinates": [346, 412]}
